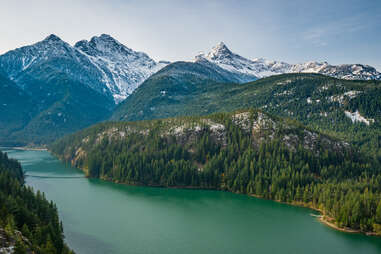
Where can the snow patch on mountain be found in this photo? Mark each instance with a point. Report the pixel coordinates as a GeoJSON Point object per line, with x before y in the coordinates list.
{"type": "Point", "coordinates": [356, 117]}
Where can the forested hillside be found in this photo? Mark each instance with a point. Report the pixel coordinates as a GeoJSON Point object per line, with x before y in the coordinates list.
{"type": "Point", "coordinates": [247, 152]}
{"type": "Point", "coordinates": [50, 106]}
{"type": "Point", "coordinates": [347, 109]}
{"type": "Point", "coordinates": [28, 222]}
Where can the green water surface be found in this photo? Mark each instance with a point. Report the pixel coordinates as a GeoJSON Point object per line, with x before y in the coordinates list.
{"type": "Point", "coordinates": [102, 217]}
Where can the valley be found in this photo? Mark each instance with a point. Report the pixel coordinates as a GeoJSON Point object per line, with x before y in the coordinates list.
{"type": "Point", "coordinates": [117, 140]}
{"type": "Point", "coordinates": [57, 88]}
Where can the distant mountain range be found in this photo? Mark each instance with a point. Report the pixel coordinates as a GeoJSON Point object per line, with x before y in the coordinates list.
{"type": "Point", "coordinates": [259, 67]}
{"type": "Point", "coordinates": [52, 88]}
{"type": "Point", "coordinates": [112, 69]}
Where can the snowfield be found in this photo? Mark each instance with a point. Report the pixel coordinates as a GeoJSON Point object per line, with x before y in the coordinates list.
{"type": "Point", "coordinates": [356, 117]}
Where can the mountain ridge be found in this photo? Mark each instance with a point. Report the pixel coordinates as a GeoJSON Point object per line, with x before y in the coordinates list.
{"type": "Point", "coordinates": [349, 109]}
{"type": "Point", "coordinates": [102, 63]}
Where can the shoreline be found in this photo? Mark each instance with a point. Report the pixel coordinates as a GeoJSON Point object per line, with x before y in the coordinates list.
{"type": "Point", "coordinates": [322, 218]}
{"type": "Point", "coordinates": [325, 219]}
{"type": "Point", "coordinates": [26, 148]}
{"type": "Point", "coordinates": [328, 221]}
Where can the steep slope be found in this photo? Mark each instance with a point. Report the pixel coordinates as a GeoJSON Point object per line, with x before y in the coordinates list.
{"type": "Point", "coordinates": [28, 222]}
{"type": "Point", "coordinates": [246, 151]}
{"type": "Point", "coordinates": [166, 92]}
{"type": "Point", "coordinates": [260, 67]}
{"type": "Point", "coordinates": [55, 56]}
{"type": "Point", "coordinates": [349, 109]}
{"type": "Point", "coordinates": [16, 108]}
{"type": "Point", "coordinates": [51, 106]}
{"type": "Point", "coordinates": [65, 106]}
{"type": "Point", "coordinates": [123, 69]}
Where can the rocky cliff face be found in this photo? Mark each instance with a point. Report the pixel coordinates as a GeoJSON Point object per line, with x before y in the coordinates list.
{"type": "Point", "coordinates": [186, 131]}
{"type": "Point", "coordinates": [10, 244]}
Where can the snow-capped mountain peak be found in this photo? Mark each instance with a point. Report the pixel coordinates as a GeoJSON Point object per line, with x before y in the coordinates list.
{"type": "Point", "coordinates": [222, 56]}
{"type": "Point", "coordinates": [103, 43]}
{"type": "Point", "coordinates": [52, 38]}
{"type": "Point", "coordinates": [21, 60]}
{"type": "Point", "coordinates": [103, 63]}
{"type": "Point", "coordinates": [220, 51]}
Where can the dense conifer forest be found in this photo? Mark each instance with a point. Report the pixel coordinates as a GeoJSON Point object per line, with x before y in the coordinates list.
{"type": "Point", "coordinates": [28, 218]}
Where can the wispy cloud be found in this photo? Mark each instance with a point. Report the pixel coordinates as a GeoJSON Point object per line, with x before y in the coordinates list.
{"type": "Point", "coordinates": [321, 35]}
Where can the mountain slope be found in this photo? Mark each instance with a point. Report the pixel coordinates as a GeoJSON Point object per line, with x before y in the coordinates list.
{"type": "Point", "coordinates": [64, 106]}
{"type": "Point", "coordinates": [348, 109]}
{"type": "Point", "coordinates": [260, 67]}
{"type": "Point", "coordinates": [29, 223]}
{"type": "Point", "coordinates": [123, 69]}
{"type": "Point", "coordinates": [52, 106]}
{"type": "Point", "coordinates": [167, 92]}
{"type": "Point", "coordinates": [16, 108]}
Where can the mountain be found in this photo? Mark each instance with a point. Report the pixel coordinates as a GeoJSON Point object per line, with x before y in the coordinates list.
{"type": "Point", "coordinates": [102, 63]}
{"type": "Point", "coordinates": [260, 67]}
{"type": "Point", "coordinates": [246, 151]}
{"type": "Point", "coordinates": [48, 57]}
{"type": "Point", "coordinates": [57, 88]}
{"type": "Point", "coordinates": [51, 88]}
{"type": "Point", "coordinates": [165, 92]}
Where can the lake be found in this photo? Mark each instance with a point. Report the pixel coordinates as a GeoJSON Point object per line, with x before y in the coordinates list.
{"type": "Point", "coordinates": [101, 217]}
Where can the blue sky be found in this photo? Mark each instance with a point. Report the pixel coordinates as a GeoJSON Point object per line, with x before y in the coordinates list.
{"type": "Point", "coordinates": [341, 31]}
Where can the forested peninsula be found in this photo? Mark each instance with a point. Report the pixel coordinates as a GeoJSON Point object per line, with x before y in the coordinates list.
{"type": "Point", "coordinates": [247, 151]}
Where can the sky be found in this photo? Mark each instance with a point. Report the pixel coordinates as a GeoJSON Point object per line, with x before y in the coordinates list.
{"type": "Point", "coordinates": [336, 31]}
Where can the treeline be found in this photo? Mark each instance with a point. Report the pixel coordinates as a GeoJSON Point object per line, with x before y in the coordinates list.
{"type": "Point", "coordinates": [344, 184]}
{"type": "Point", "coordinates": [22, 210]}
